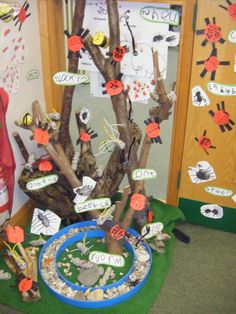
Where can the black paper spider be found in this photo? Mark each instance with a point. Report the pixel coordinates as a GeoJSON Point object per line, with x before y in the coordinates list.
{"type": "Point", "coordinates": [212, 33]}
{"type": "Point", "coordinates": [231, 9]}
{"type": "Point", "coordinates": [211, 64]}
{"type": "Point", "coordinates": [22, 15]}
{"type": "Point", "coordinates": [201, 173]}
{"type": "Point", "coordinates": [75, 43]}
{"type": "Point", "coordinates": [153, 130]}
{"type": "Point", "coordinates": [204, 142]}
{"type": "Point", "coordinates": [222, 118]}
{"type": "Point", "coordinates": [86, 136]}
{"type": "Point", "coordinates": [42, 135]}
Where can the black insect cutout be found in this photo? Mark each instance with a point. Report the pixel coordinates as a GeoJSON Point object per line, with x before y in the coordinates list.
{"type": "Point", "coordinates": [75, 43]}
{"type": "Point", "coordinates": [204, 142]}
{"type": "Point", "coordinates": [222, 118]}
{"type": "Point", "coordinates": [212, 33]}
{"type": "Point", "coordinates": [22, 15]}
{"type": "Point", "coordinates": [211, 64]}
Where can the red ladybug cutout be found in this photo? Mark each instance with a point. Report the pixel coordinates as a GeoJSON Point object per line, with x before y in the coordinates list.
{"type": "Point", "coordinates": [45, 165]}
{"type": "Point", "coordinates": [117, 232]}
{"type": "Point", "coordinates": [213, 33]}
{"type": "Point", "coordinates": [204, 142]}
{"type": "Point", "coordinates": [231, 9]}
{"type": "Point", "coordinates": [138, 201]}
{"type": "Point", "coordinates": [222, 118]}
{"type": "Point", "coordinates": [211, 64]}
{"type": "Point", "coordinates": [15, 234]}
{"type": "Point", "coordinates": [41, 136]}
{"type": "Point", "coordinates": [75, 43]}
{"type": "Point", "coordinates": [25, 284]}
{"type": "Point", "coordinates": [86, 137]}
{"type": "Point", "coordinates": [118, 54]}
{"type": "Point", "coordinates": [153, 130]}
{"type": "Point", "coordinates": [113, 87]}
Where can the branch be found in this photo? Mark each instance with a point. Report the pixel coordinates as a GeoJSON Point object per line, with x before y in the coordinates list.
{"type": "Point", "coordinates": [21, 146]}
{"type": "Point", "coordinates": [120, 205]}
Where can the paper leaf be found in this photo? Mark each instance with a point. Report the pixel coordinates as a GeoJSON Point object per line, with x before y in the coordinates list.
{"type": "Point", "coordinates": [45, 222]}
{"type": "Point", "coordinates": [203, 172]}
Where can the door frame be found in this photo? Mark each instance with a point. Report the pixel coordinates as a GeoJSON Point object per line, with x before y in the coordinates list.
{"type": "Point", "coordinates": [53, 60]}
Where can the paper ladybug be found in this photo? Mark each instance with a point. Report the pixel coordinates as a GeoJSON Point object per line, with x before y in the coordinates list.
{"type": "Point", "coordinates": [204, 142]}
{"type": "Point", "coordinates": [26, 284]}
{"type": "Point", "coordinates": [113, 87]}
{"type": "Point", "coordinates": [117, 54]}
{"type": "Point", "coordinates": [45, 165]}
{"type": "Point", "coordinates": [42, 135]}
{"type": "Point", "coordinates": [117, 232]}
{"type": "Point", "coordinates": [231, 9]}
{"type": "Point", "coordinates": [22, 15]}
{"type": "Point", "coordinates": [211, 64]}
{"type": "Point", "coordinates": [222, 118]}
{"type": "Point", "coordinates": [75, 43]}
{"type": "Point", "coordinates": [138, 201]}
{"type": "Point", "coordinates": [212, 33]}
{"type": "Point", "coordinates": [86, 136]}
{"type": "Point", "coordinates": [15, 234]}
{"type": "Point", "coordinates": [153, 130]}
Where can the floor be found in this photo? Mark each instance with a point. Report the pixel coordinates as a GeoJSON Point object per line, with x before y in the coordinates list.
{"type": "Point", "coordinates": [202, 278]}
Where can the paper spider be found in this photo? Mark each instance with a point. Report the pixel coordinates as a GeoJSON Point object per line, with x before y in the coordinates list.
{"type": "Point", "coordinates": [117, 54]}
{"type": "Point", "coordinates": [231, 9]}
{"type": "Point", "coordinates": [75, 43]}
{"type": "Point", "coordinates": [113, 87]}
{"type": "Point", "coordinates": [153, 130]}
{"type": "Point", "coordinates": [22, 15]}
{"type": "Point", "coordinates": [42, 135]}
{"type": "Point", "coordinates": [86, 136]}
{"type": "Point", "coordinates": [211, 64]}
{"type": "Point", "coordinates": [203, 172]}
{"type": "Point", "coordinates": [222, 118]}
{"type": "Point", "coordinates": [204, 142]}
{"type": "Point", "coordinates": [212, 211]}
{"type": "Point", "coordinates": [212, 33]}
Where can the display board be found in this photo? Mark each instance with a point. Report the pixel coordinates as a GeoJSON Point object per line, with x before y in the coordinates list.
{"type": "Point", "coordinates": [207, 193]}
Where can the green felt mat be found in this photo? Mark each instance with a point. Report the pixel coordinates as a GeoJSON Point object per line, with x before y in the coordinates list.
{"type": "Point", "coordinates": [138, 304]}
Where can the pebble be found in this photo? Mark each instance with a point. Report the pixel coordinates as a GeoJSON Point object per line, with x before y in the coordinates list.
{"type": "Point", "coordinates": [88, 277]}
{"type": "Point", "coordinates": [80, 296]}
{"type": "Point", "coordinates": [96, 295]}
{"type": "Point", "coordinates": [142, 255]}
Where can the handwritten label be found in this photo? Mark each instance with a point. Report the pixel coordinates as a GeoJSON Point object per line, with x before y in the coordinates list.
{"type": "Point", "coordinates": [98, 203]}
{"type": "Point", "coordinates": [41, 182]}
{"type": "Point", "coordinates": [199, 97]}
{"type": "Point", "coordinates": [221, 89]}
{"type": "Point", "coordinates": [32, 75]}
{"type": "Point", "coordinates": [69, 79]}
{"type": "Point", "coordinates": [160, 15]}
{"type": "Point", "coordinates": [218, 191]}
{"type": "Point", "coordinates": [143, 174]}
{"type": "Point", "coordinates": [155, 228]}
{"type": "Point", "coordinates": [232, 36]}
{"type": "Point", "coordinates": [107, 259]}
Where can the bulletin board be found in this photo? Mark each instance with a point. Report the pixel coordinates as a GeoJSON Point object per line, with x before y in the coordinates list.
{"type": "Point", "coordinates": [207, 192]}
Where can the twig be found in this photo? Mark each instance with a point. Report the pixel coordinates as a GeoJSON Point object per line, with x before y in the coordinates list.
{"type": "Point", "coordinates": [21, 146]}
{"type": "Point", "coordinates": [120, 205]}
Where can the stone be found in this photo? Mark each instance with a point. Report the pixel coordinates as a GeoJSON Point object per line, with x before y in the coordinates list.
{"type": "Point", "coordinates": [96, 295]}
{"type": "Point", "coordinates": [88, 277]}
{"type": "Point", "coordinates": [80, 296]}
{"type": "Point", "coordinates": [142, 255]}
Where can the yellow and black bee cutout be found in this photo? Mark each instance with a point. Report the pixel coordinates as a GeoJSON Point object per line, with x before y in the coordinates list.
{"type": "Point", "coordinates": [211, 64]}
{"type": "Point", "coordinates": [212, 33]}
{"type": "Point", "coordinates": [231, 9]}
{"type": "Point", "coordinates": [204, 142]}
{"type": "Point", "coordinates": [99, 39]}
{"type": "Point", "coordinates": [118, 54]}
{"type": "Point", "coordinates": [113, 87]}
{"type": "Point", "coordinates": [75, 43]}
{"type": "Point", "coordinates": [25, 120]}
{"type": "Point", "coordinates": [6, 12]}
{"type": "Point", "coordinates": [153, 130]}
{"type": "Point", "coordinates": [222, 118]}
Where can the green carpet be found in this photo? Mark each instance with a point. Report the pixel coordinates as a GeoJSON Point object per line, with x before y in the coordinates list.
{"type": "Point", "coordinates": [138, 304]}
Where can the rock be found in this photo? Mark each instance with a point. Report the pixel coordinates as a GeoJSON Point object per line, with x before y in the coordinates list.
{"type": "Point", "coordinates": [96, 295]}
{"type": "Point", "coordinates": [80, 296]}
{"type": "Point", "coordinates": [101, 270]}
{"type": "Point", "coordinates": [142, 255]}
{"type": "Point", "coordinates": [88, 277]}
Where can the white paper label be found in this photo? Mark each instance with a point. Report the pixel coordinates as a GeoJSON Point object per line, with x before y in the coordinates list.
{"type": "Point", "coordinates": [155, 228]}
{"type": "Point", "coordinates": [160, 15]}
{"type": "Point", "coordinates": [212, 211]}
{"type": "Point", "coordinates": [41, 182]}
{"type": "Point", "coordinates": [143, 174]}
{"type": "Point", "coordinates": [69, 79]}
{"type": "Point", "coordinates": [107, 259]}
{"type": "Point", "coordinates": [98, 203]}
{"type": "Point", "coordinates": [232, 36]}
{"type": "Point", "coordinates": [199, 97]}
{"type": "Point", "coordinates": [218, 191]}
{"type": "Point", "coordinates": [221, 89]}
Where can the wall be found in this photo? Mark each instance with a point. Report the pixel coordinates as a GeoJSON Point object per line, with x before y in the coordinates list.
{"type": "Point", "coordinates": [29, 91]}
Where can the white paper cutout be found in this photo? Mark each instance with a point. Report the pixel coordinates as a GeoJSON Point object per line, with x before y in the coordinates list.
{"type": "Point", "coordinates": [221, 89]}
{"type": "Point", "coordinates": [232, 36]}
{"type": "Point", "coordinates": [95, 204]}
{"type": "Point", "coordinates": [212, 211]}
{"type": "Point", "coordinates": [9, 79]}
{"type": "Point", "coordinates": [234, 198]}
{"type": "Point", "coordinates": [217, 191]}
{"type": "Point", "coordinates": [102, 258]}
{"type": "Point", "coordinates": [69, 79]}
{"type": "Point", "coordinates": [32, 75]}
{"type": "Point", "coordinates": [143, 174]}
{"type": "Point", "coordinates": [203, 172]}
{"type": "Point", "coordinates": [107, 214]}
{"type": "Point", "coordinates": [83, 192]}
{"type": "Point", "coordinates": [45, 222]}
{"type": "Point", "coordinates": [42, 182]}
{"type": "Point", "coordinates": [139, 87]}
{"type": "Point", "coordinates": [170, 39]}
{"type": "Point", "coordinates": [84, 115]}
{"type": "Point", "coordinates": [155, 14]}
{"type": "Point", "coordinates": [155, 228]}
{"type": "Point", "coordinates": [199, 97]}
{"type": "Point", "coordinates": [13, 46]}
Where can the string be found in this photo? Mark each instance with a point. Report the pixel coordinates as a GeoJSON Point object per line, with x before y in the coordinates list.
{"type": "Point", "coordinates": [135, 53]}
{"type": "Point", "coordinates": [13, 252]}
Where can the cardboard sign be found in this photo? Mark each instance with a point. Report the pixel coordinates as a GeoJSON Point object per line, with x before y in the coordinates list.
{"type": "Point", "coordinates": [218, 191]}
{"type": "Point", "coordinates": [107, 259]}
{"type": "Point", "coordinates": [221, 89]}
{"type": "Point", "coordinates": [41, 182]}
{"type": "Point", "coordinates": [69, 79]}
{"type": "Point", "coordinates": [143, 174]}
{"type": "Point", "coordinates": [232, 36]}
{"type": "Point", "coordinates": [160, 15]}
{"type": "Point", "coordinates": [99, 203]}
{"type": "Point", "coordinates": [155, 228]}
